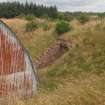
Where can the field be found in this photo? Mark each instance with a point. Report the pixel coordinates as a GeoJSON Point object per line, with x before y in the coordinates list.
{"type": "Point", "coordinates": [76, 78]}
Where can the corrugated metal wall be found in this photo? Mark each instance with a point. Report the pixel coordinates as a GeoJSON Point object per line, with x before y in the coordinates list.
{"type": "Point", "coordinates": [17, 74]}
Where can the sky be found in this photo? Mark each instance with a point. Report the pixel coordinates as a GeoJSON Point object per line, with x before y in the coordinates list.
{"type": "Point", "coordinates": [71, 5]}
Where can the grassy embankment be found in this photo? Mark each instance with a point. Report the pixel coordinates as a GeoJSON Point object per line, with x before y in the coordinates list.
{"type": "Point", "coordinates": [78, 77]}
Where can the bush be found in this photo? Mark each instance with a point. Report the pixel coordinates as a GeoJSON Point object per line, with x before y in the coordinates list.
{"type": "Point", "coordinates": [83, 18]}
{"type": "Point", "coordinates": [29, 17]}
{"type": "Point", "coordinates": [62, 27]}
{"type": "Point", "coordinates": [31, 26]}
{"type": "Point", "coordinates": [65, 16]}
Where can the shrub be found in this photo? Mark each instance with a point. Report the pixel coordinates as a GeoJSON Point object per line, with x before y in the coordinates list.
{"type": "Point", "coordinates": [62, 27]}
{"type": "Point", "coordinates": [65, 16]}
{"type": "Point", "coordinates": [31, 26]}
{"type": "Point", "coordinates": [83, 18]}
{"type": "Point", "coordinates": [61, 16]}
{"type": "Point", "coordinates": [29, 17]}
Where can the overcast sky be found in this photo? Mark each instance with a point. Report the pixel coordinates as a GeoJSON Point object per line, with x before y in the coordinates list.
{"type": "Point", "coordinates": [72, 5]}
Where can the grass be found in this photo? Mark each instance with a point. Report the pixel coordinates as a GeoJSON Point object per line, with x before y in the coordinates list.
{"type": "Point", "coordinates": [78, 77]}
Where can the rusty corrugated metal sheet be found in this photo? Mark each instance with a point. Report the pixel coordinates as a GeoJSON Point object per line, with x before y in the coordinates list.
{"type": "Point", "coordinates": [17, 74]}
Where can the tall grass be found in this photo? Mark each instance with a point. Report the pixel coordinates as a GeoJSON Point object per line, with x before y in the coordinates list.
{"type": "Point", "coordinates": [78, 77]}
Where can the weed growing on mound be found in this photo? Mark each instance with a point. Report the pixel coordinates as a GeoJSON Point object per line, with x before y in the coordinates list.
{"type": "Point", "coordinates": [45, 27]}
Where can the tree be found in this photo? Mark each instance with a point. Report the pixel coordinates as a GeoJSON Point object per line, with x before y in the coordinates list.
{"type": "Point", "coordinates": [13, 9]}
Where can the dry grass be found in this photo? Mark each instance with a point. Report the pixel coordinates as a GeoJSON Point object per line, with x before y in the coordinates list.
{"type": "Point", "coordinates": [87, 90]}
{"type": "Point", "coordinates": [78, 77]}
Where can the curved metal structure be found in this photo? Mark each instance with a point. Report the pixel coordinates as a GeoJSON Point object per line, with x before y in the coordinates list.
{"type": "Point", "coordinates": [17, 73]}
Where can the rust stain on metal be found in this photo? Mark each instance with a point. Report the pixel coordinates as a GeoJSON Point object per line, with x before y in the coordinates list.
{"type": "Point", "coordinates": [17, 73]}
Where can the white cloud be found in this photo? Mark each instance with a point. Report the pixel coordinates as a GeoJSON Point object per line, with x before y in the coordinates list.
{"type": "Point", "coordinates": [72, 5]}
